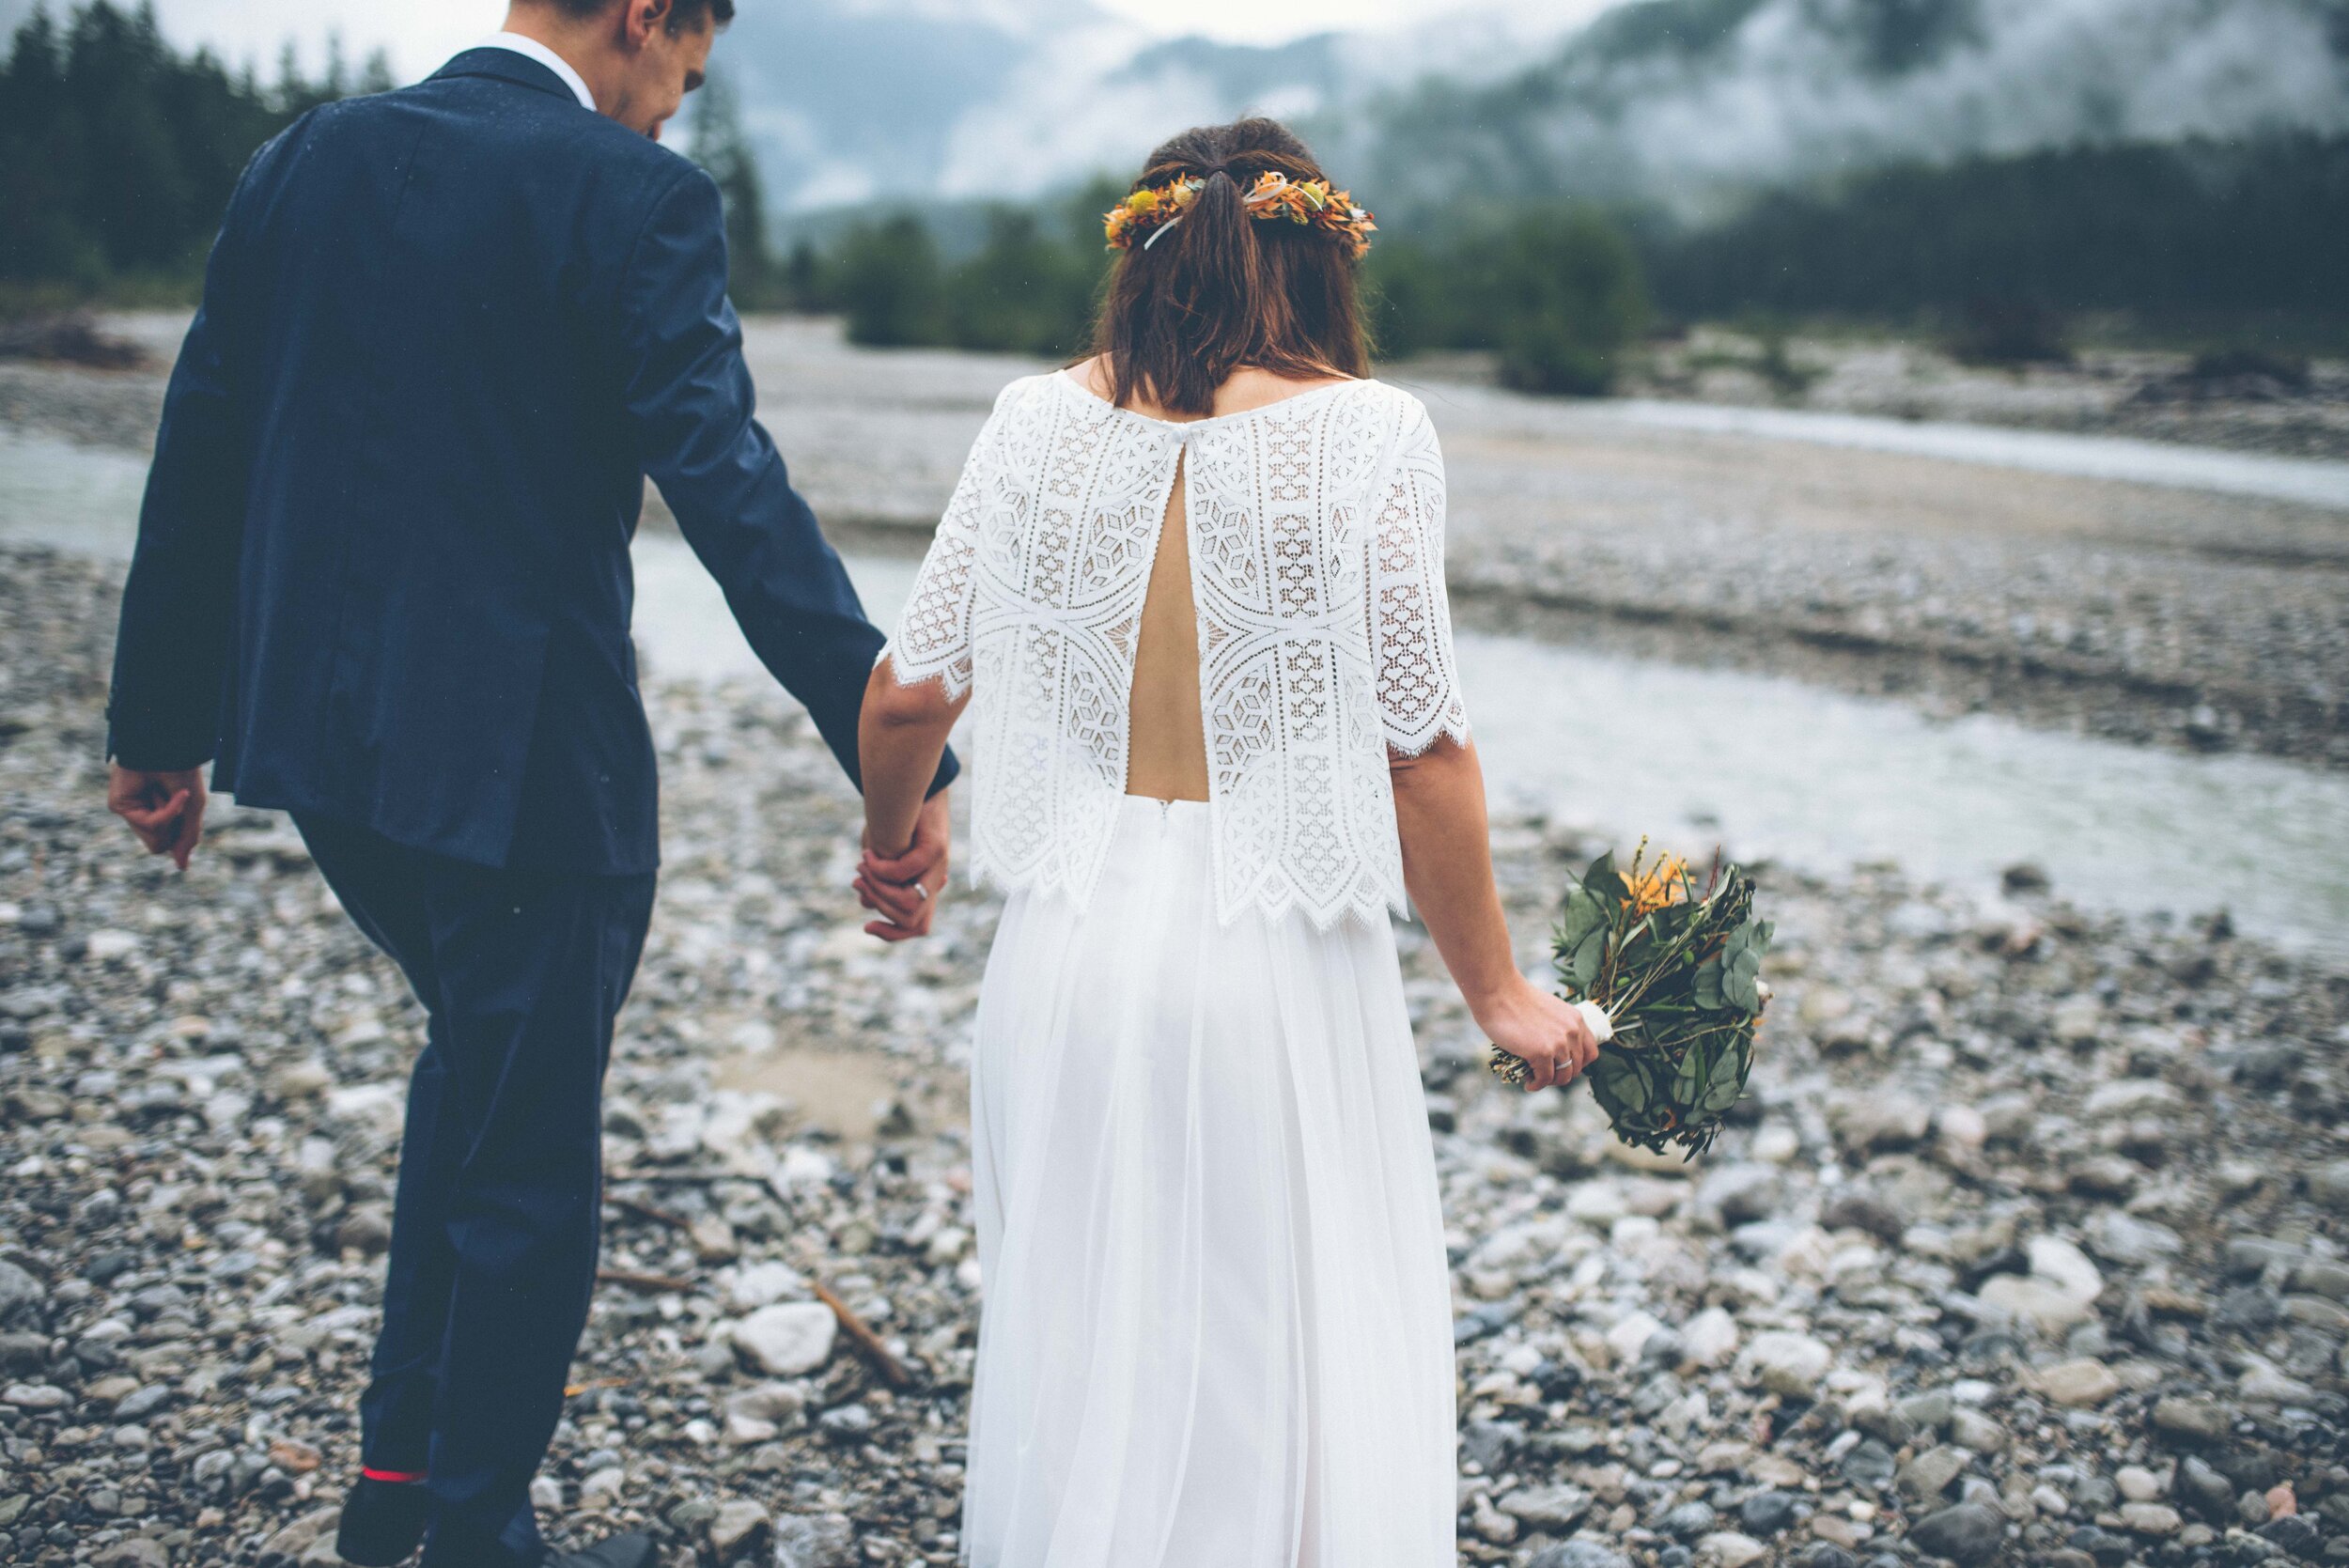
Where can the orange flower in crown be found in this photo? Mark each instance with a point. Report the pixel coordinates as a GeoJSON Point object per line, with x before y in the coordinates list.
{"type": "Point", "coordinates": [1273, 197]}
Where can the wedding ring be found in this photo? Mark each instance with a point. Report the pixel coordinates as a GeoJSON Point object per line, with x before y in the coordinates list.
{"type": "Point", "coordinates": [921, 892]}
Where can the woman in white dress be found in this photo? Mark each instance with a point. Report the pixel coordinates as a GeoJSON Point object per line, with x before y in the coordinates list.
{"type": "Point", "coordinates": [1192, 589]}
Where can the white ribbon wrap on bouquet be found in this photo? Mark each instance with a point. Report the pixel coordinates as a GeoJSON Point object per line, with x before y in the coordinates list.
{"type": "Point", "coordinates": [1602, 1027]}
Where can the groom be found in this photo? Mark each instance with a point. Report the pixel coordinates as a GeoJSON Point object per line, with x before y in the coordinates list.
{"type": "Point", "coordinates": [383, 583]}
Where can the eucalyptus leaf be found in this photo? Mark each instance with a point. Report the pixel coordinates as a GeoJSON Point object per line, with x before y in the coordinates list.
{"type": "Point", "coordinates": [1741, 980]}
{"type": "Point", "coordinates": [1619, 1074]}
{"type": "Point", "coordinates": [1727, 1084]}
{"type": "Point", "coordinates": [1694, 1076]}
{"type": "Point", "coordinates": [1707, 987]}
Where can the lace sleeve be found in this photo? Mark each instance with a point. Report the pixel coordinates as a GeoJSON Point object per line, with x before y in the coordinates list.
{"type": "Point", "coordinates": [1410, 613]}
{"type": "Point", "coordinates": [933, 640]}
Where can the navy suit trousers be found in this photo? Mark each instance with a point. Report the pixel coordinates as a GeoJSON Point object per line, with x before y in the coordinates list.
{"type": "Point", "coordinates": [495, 1226]}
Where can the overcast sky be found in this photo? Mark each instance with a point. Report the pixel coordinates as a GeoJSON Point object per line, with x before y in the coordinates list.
{"type": "Point", "coordinates": [421, 34]}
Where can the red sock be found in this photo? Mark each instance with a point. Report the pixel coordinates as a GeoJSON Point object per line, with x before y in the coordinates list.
{"type": "Point", "coordinates": [394, 1478]}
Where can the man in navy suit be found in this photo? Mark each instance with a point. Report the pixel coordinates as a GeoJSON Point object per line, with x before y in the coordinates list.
{"type": "Point", "coordinates": [383, 583]}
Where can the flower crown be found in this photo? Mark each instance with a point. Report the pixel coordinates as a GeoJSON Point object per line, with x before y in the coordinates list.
{"type": "Point", "coordinates": [1156, 209]}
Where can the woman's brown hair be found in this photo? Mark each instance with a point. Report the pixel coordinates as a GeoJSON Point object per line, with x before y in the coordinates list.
{"type": "Point", "coordinates": [1220, 291]}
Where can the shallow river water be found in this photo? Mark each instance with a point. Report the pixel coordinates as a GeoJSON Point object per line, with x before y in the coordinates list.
{"type": "Point", "coordinates": [1766, 766]}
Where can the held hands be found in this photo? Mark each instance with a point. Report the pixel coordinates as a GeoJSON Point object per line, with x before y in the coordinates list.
{"type": "Point", "coordinates": [166, 810]}
{"type": "Point", "coordinates": [1529, 1022]}
{"type": "Point", "coordinates": [904, 889]}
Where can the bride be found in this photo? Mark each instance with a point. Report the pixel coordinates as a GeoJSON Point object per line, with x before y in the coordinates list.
{"type": "Point", "coordinates": [1192, 589]}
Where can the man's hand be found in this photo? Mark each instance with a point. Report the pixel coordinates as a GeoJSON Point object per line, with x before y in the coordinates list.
{"type": "Point", "coordinates": [166, 810]}
{"type": "Point", "coordinates": [904, 889]}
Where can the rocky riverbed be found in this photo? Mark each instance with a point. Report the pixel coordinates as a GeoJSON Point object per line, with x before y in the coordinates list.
{"type": "Point", "coordinates": [2028, 1245]}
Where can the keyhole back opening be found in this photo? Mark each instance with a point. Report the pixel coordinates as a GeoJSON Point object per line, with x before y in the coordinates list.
{"type": "Point", "coordinates": [1168, 757]}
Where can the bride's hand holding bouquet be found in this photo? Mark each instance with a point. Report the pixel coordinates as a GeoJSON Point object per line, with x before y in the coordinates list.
{"type": "Point", "coordinates": [1666, 971]}
{"type": "Point", "coordinates": [1553, 1040]}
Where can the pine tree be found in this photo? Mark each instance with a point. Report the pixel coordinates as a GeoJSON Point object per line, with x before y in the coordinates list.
{"type": "Point", "coordinates": [723, 147]}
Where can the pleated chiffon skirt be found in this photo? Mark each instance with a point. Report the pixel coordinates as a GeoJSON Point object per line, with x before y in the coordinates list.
{"type": "Point", "coordinates": [1216, 1324]}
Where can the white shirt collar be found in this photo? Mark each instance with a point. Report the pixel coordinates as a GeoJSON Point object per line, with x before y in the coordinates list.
{"type": "Point", "coordinates": [532, 49]}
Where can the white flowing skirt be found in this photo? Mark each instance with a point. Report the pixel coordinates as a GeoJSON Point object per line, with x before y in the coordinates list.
{"type": "Point", "coordinates": [1217, 1326]}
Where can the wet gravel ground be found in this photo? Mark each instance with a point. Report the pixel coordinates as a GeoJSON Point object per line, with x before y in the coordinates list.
{"type": "Point", "coordinates": [2152, 615]}
{"type": "Point", "coordinates": [2028, 1247]}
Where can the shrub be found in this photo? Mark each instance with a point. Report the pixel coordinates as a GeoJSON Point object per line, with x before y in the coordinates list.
{"type": "Point", "coordinates": [887, 279]}
{"type": "Point", "coordinates": [1567, 301]}
{"type": "Point", "coordinates": [1023, 291]}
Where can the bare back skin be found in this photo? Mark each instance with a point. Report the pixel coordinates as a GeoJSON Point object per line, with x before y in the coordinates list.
{"type": "Point", "coordinates": [1168, 756]}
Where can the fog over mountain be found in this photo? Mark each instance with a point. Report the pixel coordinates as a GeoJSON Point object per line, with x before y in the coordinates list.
{"type": "Point", "coordinates": [1689, 101]}
{"type": "Point", "coordinates": [852, 100]}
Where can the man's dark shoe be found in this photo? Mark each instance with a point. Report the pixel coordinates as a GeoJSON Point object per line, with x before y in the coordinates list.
{"type": "Point", "coordinates": [382, 1522]}
{"type": "Point", "coordinates": [622, 1552]}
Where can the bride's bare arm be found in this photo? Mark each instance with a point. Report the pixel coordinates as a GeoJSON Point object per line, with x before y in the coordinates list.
{"type": "Point", "coordinates": [1448, 867]}
{"type": "Point", "coordinates": [900, 736]}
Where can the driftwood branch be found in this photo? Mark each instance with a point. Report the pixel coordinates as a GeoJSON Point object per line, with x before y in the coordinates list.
{"type": "Point", "coordinates": [893, 1371]}
{"type": "Point", "coordinates": [646, 1211]}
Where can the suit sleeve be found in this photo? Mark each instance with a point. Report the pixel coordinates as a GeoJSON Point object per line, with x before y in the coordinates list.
{"type": "Point", "coordinates": [691, 401]}
{"type": "Point", "coordinates": [180, 602]}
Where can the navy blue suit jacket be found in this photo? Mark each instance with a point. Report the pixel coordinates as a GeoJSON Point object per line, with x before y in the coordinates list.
{"type": "Point", "coordinates": [383, 569]}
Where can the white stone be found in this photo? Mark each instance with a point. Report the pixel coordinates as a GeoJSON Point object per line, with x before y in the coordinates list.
{"type": "Point", "coordinates": [2125, 1239]}
{"type": "Point", "coordinates": [603, 1487]}
{"type": "Point", "coordinates": [1599, 1204]}
{"type": "Point", "coordinates": [738, 1521]}
{"type": "Point", "coordinates": [2128, 1095]}
{"type": "Point", "coordinates": [2066, 1267]}
{"type": "Point", "coordinates": [1555, 1509]}
{"type": "Point", "coordinates": [2077, 1020]}
{"type": "Point", "coordinates": [2081, 1384]}
{"type": "Point", "coordinates": [1962, 1127]}
{"type": "Point", "coordinates": [739, 1125]}
{"type": "Point", "coordinates": [749, 1431]}
{"type": "Point", "coordinates": [2263, 1385]}
{"type": "Point", "coordinates": [377, 1108]}
{"type": "Point", "coordinates": [1880, 1119]}
{"type": "Point", "coordinates": [2036, 1302]}
{"type": "Point", "coordinates": [106, 946]}
{"type": "Point", "coordinates": [763, 1284]}
{"type": "Point", "coordinates": [2137, 1483]}
{"type": "Point", "coordinates": [1630, 1334]}
{"type": "Point", "coordinates": [1710, 1337]}
{"type": "Point", "coordinates": [1732, 1549]}
{"type": "Point", "coordinates": [787, 1339]}
{"type": "Point", "coordinates": [2151, 1518]}
{"type": "Point", "coordinates": [1786, 1363]}
{"type": "Point", "coordinates": [546, 1495]}
{"type": "Point", "coordinates": [803, 1166]}
{"type": "Point", "coordinates": [36, 1396]}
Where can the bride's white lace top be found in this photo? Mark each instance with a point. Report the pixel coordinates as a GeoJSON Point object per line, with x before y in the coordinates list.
{"type": "Point", "coordinates": [1325, 638]}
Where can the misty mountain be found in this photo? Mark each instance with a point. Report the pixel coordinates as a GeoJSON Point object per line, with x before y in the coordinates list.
{"type": "Point", "coordinates": [1690, 103]}
{"type": "Point", "coordinates": [856, 101]}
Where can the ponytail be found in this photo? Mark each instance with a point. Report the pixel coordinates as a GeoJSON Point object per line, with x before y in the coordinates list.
{"type": "Point", "coordinates": [1219, 292]}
